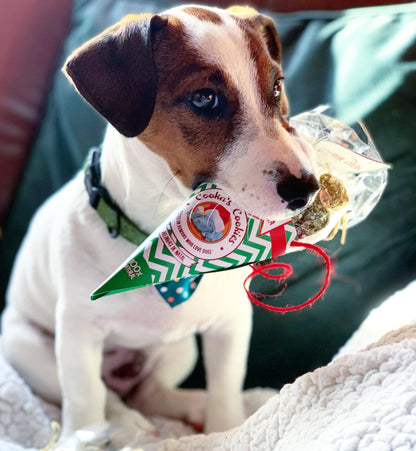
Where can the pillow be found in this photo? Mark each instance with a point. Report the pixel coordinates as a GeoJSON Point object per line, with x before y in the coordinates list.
{"type": "Point", "coordinates": [360, 61]}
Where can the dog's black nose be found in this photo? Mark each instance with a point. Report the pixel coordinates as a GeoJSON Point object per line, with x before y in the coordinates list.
{"type": "Point", "coordinates": [297, 191]}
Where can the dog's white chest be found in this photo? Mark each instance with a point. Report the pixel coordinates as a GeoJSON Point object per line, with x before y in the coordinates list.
{"type": "Point", "coordinates": [143, 318]}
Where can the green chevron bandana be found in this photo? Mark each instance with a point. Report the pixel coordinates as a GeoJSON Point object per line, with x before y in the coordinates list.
{"type": "Point", "coordinates": [174, 292]}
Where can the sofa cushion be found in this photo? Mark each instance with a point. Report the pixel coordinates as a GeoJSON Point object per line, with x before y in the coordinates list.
{"type": "Point", "coordinates": [363, 63]}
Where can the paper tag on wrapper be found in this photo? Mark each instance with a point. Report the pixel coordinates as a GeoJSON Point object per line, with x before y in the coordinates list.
{"type": "Point", "coordinates": [340, 160]}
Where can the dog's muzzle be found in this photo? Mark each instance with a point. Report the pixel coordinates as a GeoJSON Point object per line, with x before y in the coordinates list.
{"type": "Point", "coordinates": [297, 192]}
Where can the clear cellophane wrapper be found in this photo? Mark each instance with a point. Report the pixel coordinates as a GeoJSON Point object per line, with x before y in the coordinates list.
{"type": "Point", "coordinates": [348, 155]}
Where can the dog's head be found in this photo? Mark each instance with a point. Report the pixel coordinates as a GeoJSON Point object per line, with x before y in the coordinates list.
{"type": "Point", "coordinates": [203, 88]}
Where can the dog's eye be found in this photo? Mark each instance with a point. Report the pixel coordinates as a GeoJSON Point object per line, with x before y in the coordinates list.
{"type": "Point", "coordinates": [204, 99]}
{"type": "Point", "coordinates": [277, 88]}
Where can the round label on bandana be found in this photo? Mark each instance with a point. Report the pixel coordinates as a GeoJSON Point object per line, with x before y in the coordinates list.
{"type": "Point", "coordinates": [210, 226]}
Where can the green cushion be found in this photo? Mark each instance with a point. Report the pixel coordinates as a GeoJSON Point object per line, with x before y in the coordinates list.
{"type": "Point", "coordinates": [362, 62]}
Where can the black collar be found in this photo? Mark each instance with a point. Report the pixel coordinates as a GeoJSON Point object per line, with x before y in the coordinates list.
{"type": "Point", "coordinates": [117, 222]}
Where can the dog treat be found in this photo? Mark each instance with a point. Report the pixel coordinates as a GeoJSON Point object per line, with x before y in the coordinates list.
{"type": "Point", "coordinates": [211, 233]}
{"type": "Point", "coordinates": [332, 194]}
{"type": "Point", "coordinates": [331, 197]}
{"type": "Point", "coordinates": [349, 155]}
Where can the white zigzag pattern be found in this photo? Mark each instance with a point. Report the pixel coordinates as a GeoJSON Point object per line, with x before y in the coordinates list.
{"type": "Point", "coordinates": [167, 258]}
{"type": "Point", "coordinates": [292, 229]}
{"type": "Point", "coordinates": [250, 250]}
{"type": "Point", "coordinates": [155, 266]}
{"type": "Point", "coordinates": [185, 273]}
{"type": "Point", "coordinates": [255, 239]}
{"type": "Point", "coordinates": [241, 258]}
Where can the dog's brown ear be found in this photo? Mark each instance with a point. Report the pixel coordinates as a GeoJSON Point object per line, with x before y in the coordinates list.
{"type": "Point", "coordinates": [116, 74]}
{"type": "Point", "coordinates": [268, 30]}
{"type": "Point", "coordinates": [264, 25]}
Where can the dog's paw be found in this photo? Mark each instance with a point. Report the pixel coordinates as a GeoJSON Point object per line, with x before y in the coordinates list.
{"type": "Point", "coordinates": [194, 406]}
{"type": "Point", "coordinates": [129, 428]}
{"type": "Point", "coordinates": [224, 416]}
{"type": "Point", "coordinates": [92, 437]}
{"type": "Point", "coordinates": [187, 405]}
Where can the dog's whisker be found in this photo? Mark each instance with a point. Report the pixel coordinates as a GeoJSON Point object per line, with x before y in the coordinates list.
{"type": "Point", "coordinates": [163, 193]}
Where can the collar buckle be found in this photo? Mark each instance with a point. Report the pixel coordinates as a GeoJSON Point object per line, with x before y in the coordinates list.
{"type": "Point", "coordinates": [96, 192]}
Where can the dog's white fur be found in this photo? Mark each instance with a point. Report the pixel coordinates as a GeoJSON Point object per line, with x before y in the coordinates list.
{"type": "Point", "coordinates": [67, 253]}
{"type": "Point", "coordinates": [221, 45]}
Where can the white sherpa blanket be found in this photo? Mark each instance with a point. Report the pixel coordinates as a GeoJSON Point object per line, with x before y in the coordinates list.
{"type": "Point", "coordinates": [364, 400]}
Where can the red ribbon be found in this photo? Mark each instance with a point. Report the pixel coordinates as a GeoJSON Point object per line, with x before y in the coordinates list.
{"type": "Point", "coordinates": [278, 240]}
{"type": "Point", "coordinates": [287, 272]}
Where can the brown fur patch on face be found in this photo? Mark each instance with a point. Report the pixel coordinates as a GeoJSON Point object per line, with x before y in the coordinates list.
{"type": "Point", "coordinates": [262, 24]}
{"type": "Point", "coordinates": [264, 47]}
{"type": "Point", "coordinates": [203, 14]}
{"type": "Point", "coordinates": [192, 143]}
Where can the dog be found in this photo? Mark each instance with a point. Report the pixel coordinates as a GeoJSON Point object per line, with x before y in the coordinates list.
{"type": "Point", "coordinates": [191, 95]}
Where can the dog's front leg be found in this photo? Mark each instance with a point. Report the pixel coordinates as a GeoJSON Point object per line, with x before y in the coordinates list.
{"type": "Point", "coordinates": [79, 347]}
{"type": "Point", "coordinates": [225, 347]}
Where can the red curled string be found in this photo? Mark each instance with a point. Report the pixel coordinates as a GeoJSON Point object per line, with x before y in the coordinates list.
{"type": "Point", "coordinates": [287, 272]}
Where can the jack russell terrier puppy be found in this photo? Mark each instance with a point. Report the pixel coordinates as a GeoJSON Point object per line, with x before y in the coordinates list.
{"type": "Point", "coordinates": [192, 95]}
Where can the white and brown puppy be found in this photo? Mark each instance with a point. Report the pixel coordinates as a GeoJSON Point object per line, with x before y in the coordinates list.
{"type": "Point", "coordinates": [191, 95]}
